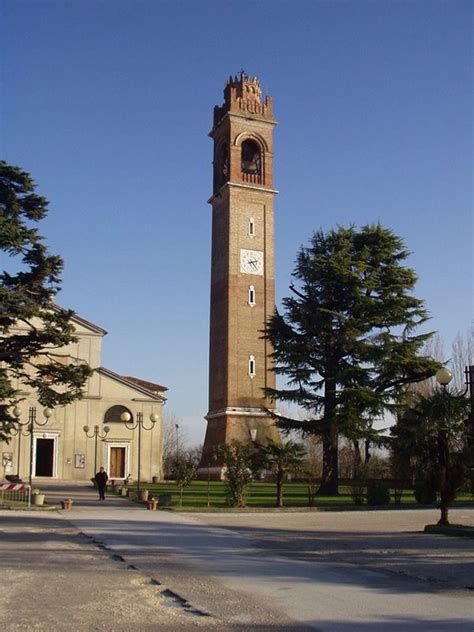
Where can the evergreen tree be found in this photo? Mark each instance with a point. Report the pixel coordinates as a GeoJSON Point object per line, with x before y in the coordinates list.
{"type": "Point", "coordinates": [33, 331]}
{"type": "Point", "coordinates": [345, 342]}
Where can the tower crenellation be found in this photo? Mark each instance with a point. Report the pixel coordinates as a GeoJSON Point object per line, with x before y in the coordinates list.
{"type": "Point", "coordinates": [243, 94]}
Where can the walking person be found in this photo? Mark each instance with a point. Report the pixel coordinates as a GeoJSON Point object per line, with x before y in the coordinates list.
{"type": "Point", "coordinates": [101, 479]}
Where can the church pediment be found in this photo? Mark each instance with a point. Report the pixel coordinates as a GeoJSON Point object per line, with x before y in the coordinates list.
{"type": "Point", "coordinates": [127, 385]}
{"type": "Point", "coordinates": [81, 325]}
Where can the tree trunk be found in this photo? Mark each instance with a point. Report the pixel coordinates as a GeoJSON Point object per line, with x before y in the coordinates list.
{"type": "Point", "coordinates": [357, 459]}
{"type": "Point", "coordinates": [279, 489]}
{"type": "Point", "coordinates": [367, 454]}
{"type": "Point", "coordinates": [330, 474]}
{"type": "Point", "coordinates": [444, 506]}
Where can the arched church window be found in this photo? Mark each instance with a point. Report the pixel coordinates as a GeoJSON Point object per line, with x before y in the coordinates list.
{"type": "Point", "coordinates": [112, 415]}
{"type": "Point", "coordinates": [251, 157]}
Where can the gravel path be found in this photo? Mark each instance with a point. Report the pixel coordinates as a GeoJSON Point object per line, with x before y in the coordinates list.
{"type": "Point", "coordinates": [116, 567]}
{"type": "Point", "coordinates": [388, 541]}
{"type": "Point", "coordinates": [54, 578]}
{"type": "Point", "coordinates": [57, 576]}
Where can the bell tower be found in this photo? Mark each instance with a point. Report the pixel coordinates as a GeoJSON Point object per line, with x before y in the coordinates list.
{"type": "Point", "coordinates": [242, 268]}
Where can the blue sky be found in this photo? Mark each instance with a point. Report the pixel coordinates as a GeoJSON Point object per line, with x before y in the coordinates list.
{"type": "Point", "coordinates": [108, 105]}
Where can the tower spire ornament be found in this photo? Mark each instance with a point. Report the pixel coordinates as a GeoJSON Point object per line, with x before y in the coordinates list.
{"type": "Point", "coordinates": [242, 270]}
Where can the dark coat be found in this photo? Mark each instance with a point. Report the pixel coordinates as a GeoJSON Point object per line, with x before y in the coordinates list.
{"type": "Point", "coordinates": [101, 479]}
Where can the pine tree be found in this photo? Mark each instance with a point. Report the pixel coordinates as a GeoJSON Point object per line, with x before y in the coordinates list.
{"type": "Point", "coordinates": [33, 331]}
{"type": "Point", "coordinates": [345, 342]}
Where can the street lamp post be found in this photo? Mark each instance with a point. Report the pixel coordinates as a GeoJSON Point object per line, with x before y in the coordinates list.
{"type": "Point", "coordinates": [443, 377]}
{"type": "Point", "coordinates": [96, 435]}
{"type": "Point", "coordinates": [18, 430]}
{"type": "Point", "coordinates": [177, 442]}
{"type": "Point", "coordinates": [253, 436]}
{"type": "Point", "coordinates": [469, 373]}
{"type": "Point", "coordinates": [140, 424]}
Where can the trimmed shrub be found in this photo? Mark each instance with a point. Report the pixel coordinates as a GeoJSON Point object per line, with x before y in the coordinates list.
{"type": "Point", "coordinates": [358, 494]}
{"type": "Point", "coordinates": [377, 493]}
{"type": "Point", "coordinates": [397, 495]}
{"type": "Point", "coordinates": [237, 458]}
{"type": "Point", "coordinates": [424, 493]}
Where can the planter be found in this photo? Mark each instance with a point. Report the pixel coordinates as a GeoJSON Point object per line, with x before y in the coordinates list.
{"type": "Point", "coordinates": [155, 480]}
{"type": "Point", "coordinates": [143, 495]}
{"type": "Point", "coordinates": [37, 499]}
{"type": "Point", "coordinates": [152, 504]}
{"type": "Point", "coordinates": [66, 504]}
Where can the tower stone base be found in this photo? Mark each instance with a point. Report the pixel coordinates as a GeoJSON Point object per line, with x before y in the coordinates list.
{"type": "Point", "coordinates": [234, 424]}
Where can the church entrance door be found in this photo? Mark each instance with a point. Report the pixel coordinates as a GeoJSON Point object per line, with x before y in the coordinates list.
{"type": "Point", "coordinates": [44, 465]}
{"type": "Point", "coordinates": [117, 462]}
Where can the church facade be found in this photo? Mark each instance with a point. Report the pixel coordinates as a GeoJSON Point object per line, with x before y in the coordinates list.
{"type": "Point", "coordinates": [242, 268]}
{"type": "Point", "coordinates": [70, 443]}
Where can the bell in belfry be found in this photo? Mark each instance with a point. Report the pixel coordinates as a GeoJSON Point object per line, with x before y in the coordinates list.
{"type": "Point", "coordinates": [250, 157]}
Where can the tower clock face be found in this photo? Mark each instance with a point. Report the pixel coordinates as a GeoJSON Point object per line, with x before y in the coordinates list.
{"type": "Point", "coordinates": [251, 262]}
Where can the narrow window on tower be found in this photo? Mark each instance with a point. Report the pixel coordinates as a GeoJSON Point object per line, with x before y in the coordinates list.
{"type": "Point", "coordinates": [252, 296]}
{"type": "Point", "coordinates": [224, 161]}
{"type": "Point", "coordinates": [252, 227]}
{"type": "Point", "coordinates": [252, 366]}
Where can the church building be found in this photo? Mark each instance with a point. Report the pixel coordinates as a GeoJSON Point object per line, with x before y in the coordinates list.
{"type": "Point", "coordinates": [103, 428]}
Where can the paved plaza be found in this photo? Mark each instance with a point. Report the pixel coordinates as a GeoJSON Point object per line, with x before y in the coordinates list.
{"type": "Point", "coordinates": [114, 566]}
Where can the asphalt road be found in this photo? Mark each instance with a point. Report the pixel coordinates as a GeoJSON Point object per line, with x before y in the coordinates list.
{"type": "Point", "coordinates": [331, 571]}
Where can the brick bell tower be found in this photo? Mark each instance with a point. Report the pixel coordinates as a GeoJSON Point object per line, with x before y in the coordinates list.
{"type": "Point", "coordinates": [242, 269]}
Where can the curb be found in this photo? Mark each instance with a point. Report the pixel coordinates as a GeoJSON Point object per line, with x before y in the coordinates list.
{"type": "Point", "coordinates": [452, 530]}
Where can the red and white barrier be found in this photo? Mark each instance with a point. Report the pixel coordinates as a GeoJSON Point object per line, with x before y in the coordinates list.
{"type": "Point", "coordinates": [13, 487]}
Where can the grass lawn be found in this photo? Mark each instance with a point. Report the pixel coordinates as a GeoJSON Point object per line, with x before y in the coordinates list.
{"type": "Point", "coordinates": [201, 495]}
